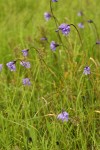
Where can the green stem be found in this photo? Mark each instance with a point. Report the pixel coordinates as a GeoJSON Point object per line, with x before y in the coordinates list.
{"type": "Point", "coordinates": [77, 32]}
{"type": "Point", "coordinates": [56, 22]}
{"type": "Point", "coordinates": [44, 61]}
{"type": "Point", "coordinates": [96, 30]}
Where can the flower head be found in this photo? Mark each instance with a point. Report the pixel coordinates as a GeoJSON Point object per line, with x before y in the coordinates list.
{"type": "Point", "coordinates": [86, 70]}
{"type": "Point", "coordinates": [11, 65]}
{"type": "Point", "coordinates": [90, 21]}
{"type": "Point", "coordinates": [81, 25]}
{"type": "Point", "coordinates": [47, 16]}
{"type": "Point", "coordinates": [0, 67]}
{"type": "Point", "coordinates": [54, 0]}
{"type": "Point", "coordinates": [25, 52]}
{"type": "Point", "coordinates": [97, 42]}
{"type": "Point", "coordinates": [25, 64]}
{"type": "Point", "coordinates": [65, 28]}
{"type": "Point", "coordinates": [53, 45]}
{"type": "Point", "coordinates": [44, 39]}
{"type": "Point", "coordinates": [26, 81]}
{"type": "Point", "coordinates": [80, 13]}
{"type": "Point", "coordinates": [64, 116]}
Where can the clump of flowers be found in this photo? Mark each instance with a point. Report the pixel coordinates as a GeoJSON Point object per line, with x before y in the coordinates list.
{"type": "Point", "coordinates": [26, 64]}
{"type": "Point", "coordinates": [47, 16]}
{"type": "Point", "coordinates": [26, 81]}
{"type": "Point", "coordinates": [86, 70]}
{"type": "Point", "coordinates": [64, 116]}
{"type": "Point", "coordinates": [25, 52]}
{"type": "Point", "coordinates": [11, 65]}
{"type": "Point", "coordinates": [53, 45]}
{"type": "Point", "coordinates": [65, 28]}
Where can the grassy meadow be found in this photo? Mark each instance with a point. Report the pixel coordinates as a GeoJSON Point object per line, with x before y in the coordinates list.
{"type": "Point", "coordinates": [28, 113]}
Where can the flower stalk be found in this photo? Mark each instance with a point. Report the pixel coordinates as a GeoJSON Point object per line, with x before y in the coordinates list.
{"type": "Point", "coordinates": [56, 21]}
{"type": "Point", "coordinates": [77, 32]}
{"type": "Point", "coordinates": [91, 21]}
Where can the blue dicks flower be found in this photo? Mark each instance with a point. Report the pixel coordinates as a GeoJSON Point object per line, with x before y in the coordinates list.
{"type": "Point", "coordinates": [81, 25]}
{"type": "Point", "coordinates": [25, 64]}
{"type": "Point", "coordinates": [65, 28]}
{"type": "Point", "coordinates": [90, 21]}
{"type": "Point", "coordinates": [11, 65]}
{"type": "Point", "coordinates": [97, 42]}
{"type": "Point", "coordinates": [0, 67]}
{"type": "Point", "coordinates": [25, 52]}
{"type": "Point", "coordinates": [47, 16]}
{"type": "Point", "coordinates": [86, 70]}
{"type": "Point", "coordinates": [43, 39]}
{"type": "Point", "coordinates": [64, 116]}
{"type": "Point", "coordinates": [53, 45]}
{"type": "Point", "coordinates": [54, 0]}
{"type": "Point", "coordinates": [80, 13]}
{"type": "Point", "coordinates": [26, 81]}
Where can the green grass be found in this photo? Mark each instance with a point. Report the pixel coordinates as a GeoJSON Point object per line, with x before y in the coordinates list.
{"type": "Point", "coordinates": [28, 114]}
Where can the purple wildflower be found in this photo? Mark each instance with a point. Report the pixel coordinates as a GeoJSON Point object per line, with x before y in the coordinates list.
{"type": "Point", "coordinates": [80, 13]}
{"type": "Point", "coordinates": [44, 39]}
{"type": "Point", "coordinates": [0, 67]}
{"type": "Point", "coordinates": [90, 21]}
{"type": "Point", "coordinates": [54, 0]}
{"type": "Point", "coordinates": [47, 16]}
{"type": "Point", "coordinates": [25, 52]}
{"type": "Point", "coordinates": [26, 81]}
{"type": "Point", "coordinates": [81, 25]}
{"type": "Point", "coordinates": [53, 45]}
{"type": "Point", "coordinates": [11, 65]}
{"type": "Point", "coordinates": [64, 116]}
{"type": "Point", "coordinates": [25, 64]}
{"type": "Point", "coordinates": [65, 28]}
{"type": "Point", "coordinates": [86, 70]}
{"type": "Point", "coordinates": [98, 42]}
